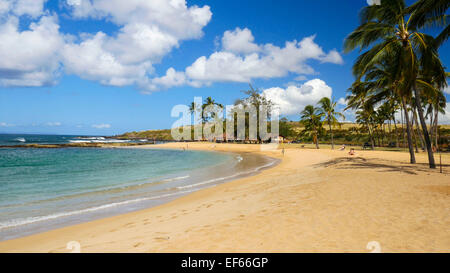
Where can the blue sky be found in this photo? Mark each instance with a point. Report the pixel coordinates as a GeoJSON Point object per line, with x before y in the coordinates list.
{"type": "Point", "coordinates": [89, 67]}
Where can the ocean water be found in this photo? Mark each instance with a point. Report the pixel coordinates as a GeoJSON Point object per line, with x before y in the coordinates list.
{"type": "Point", "coordinates": [42, 189]}
{"type": "Point", "coordinates": [16, 139]}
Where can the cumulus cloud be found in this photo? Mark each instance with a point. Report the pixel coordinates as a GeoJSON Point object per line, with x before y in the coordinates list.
{"type": "Point", "coordinates": [33, 8]}
{"type": "Point", "coordinates": [172, 78]}
{"type": "Point", "coordinates": [272, 62]}
{"type": "Point", "coordinates": [242, 61]}
{"type": "Point", "coordinates": [101, 126]}
{"type": "Point", "coordinates": [447, 89]}
{"type": "Point", "coordinates": [29, 57]}
{"type": "Point", "coordinates": [342, 101]}
{"type": "Point", "coordinates": [239, 41]}
{"type": "Point", "coordinates": [445, 118]}
{"type": "Point", "coordinates": [35, 55]}
{"type": "Point", "coordinates": [293, 99]}
{"type": "Point", "coordinates": [148, 31]}
{"type": "Point", "coordinates": [90, 61]}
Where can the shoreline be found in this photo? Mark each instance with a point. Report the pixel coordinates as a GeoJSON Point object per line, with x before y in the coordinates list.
{"type": "Point", "coordinates": [312, 201]}
{"type": "Point", "coordinates": [237, 165]}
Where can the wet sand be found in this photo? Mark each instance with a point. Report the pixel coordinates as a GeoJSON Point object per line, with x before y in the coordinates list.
{"type": "Point", "coordinates": [313, 201]}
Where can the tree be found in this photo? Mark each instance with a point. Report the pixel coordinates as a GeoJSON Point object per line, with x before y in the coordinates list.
{"type": "Point", "coordinates": [365, 116]}
{"type": "Point", "coordinates": [311, 119]}
{"type": "Point", "coordinates": [285, 128]}
{"type": "Point", "coordinates": [255, 99]}
{"type": "Point", "coordinates": [209, 102]}
{"type": "Point", "coordinates": [328, 111]}
{"type": "Point", "coordinates": [431, 13]}
{"type": "Point", "coordinates": [388, 36]}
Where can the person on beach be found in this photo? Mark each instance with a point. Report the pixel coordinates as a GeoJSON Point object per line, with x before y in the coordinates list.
{"type": "Point", "coordinates": [352, 151]}
{"type": "Point", "coordinates": [342, 147]}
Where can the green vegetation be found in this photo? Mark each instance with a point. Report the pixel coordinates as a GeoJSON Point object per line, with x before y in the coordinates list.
{"type": "Point", "coordinates": [161, 135]}
{"type": "Point", "coordinates": [400, 66]}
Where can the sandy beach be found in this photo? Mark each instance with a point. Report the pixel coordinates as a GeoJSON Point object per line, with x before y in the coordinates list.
{"type": "Point", "coordinates": [313, 201]}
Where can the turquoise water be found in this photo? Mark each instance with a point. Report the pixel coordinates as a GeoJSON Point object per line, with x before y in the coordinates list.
{"type": "Point", "coordinates": [50, 187]}
{"type": "Point", "coordinates": [21, 139]}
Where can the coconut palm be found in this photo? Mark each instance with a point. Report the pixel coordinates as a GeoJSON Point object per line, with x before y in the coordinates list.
{"type": "Point", "coordinates": [431, 13]}
{"type": "Point", "coordinates": [209, 102]}
{"type": "Point", "coordinates": [328, 111]}
{"type": "Point", "coordinates": [387, 34]}
{"type": "Point", "coordinates": [311, 118]}
{"type": "Point", "coordinates": [365, 116]}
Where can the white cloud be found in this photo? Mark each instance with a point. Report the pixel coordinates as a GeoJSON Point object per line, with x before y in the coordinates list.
{"type": "Point", "coordinates": [53, 124]}
{"type": "Point", "coordinates": [4, 124]}
{"type": "Point", "coordinates": [373, 2]}
{"type": "Point", "coordinates": [445, 118]}
{"type": "Point", "coordinates": [300, 78]}
{"type": "Point", "coordinates": [239, 41]}
{"type": "Point", "coordinates": [270, 62]}
{"type": "Point", "coordinates": [29, 57]}
{"type": "Point", "coordinates": [33, 8]}
{"type": "Point", "coordinates": [149, 30]}
{"type": "Point", "coordinates": [342, 101]}
{"type": "Point", "coordinates": [447, 89]}
{"type": "Point", "coordinates": [101, 126]}
{"type": "Point", "coordinates": [172, 78]}
{"type": "Point", "coordinates": [90, 61]}
{"type": "Point", "coordinates": [170, 16]}
{"type": "Point", "coordinates": [74, 2]}
{"type": "Point", "coordinates": [293, 99]}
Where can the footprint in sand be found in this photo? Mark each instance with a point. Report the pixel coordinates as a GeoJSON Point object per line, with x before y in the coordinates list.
{"type": "Point", "coordinates": [162, 238]}
{"type": "Point", "coordinates": [138, 244]}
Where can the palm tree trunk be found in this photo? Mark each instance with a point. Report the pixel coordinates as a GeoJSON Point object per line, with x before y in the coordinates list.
{"type": "Point", "coordinates": [390, 131]}
{"type": "Point", "coordinates": [372, 140]}
{"type": "Point", "coordinates": [331, 132]}
{"type": "Point", "coordinates": [396, 133]}
{"type": "Point", "coordinates": [408, 133]}
{"type": "Point", "coordinates": [431, 114]}
{"type": "Point", "coordinates": [424, 129]}
{"type": "Point", "coordinates": [418, 131]}
{"type": "Point", "coordinates": [436, 118]}
{"type": "Point", "coordinates": [315, 137]}
{"type": "Point", "coordinates": [317, 140]}
{"type": "Point", "coordinates": [403, 128]}
{"type": "Point", "coordinates": [415, 137]}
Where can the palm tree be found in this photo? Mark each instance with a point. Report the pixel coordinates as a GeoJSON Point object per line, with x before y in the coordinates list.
{"type": "Point", "coordinates": [365, 116]}
{"type": "Point", "coordinates": [311, 118]}
{"type": "Point", "coordinates": [328, 111]}
{"type": "Point", "coordinates": [209, 102]}
{"type": "Point", "coordinates": [193, 107]}
{"type": "Point", "coordinates": [387, 31]}
{"type": "Point", "coordinates": [256, 100]}
{"type": "Point", "coordinates": [431, 13]}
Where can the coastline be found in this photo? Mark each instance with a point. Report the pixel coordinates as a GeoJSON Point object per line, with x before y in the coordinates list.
{"type": "Point", "coordinates": [313, 201]}
{"type": "Point", "coordinates": [152, 189]}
